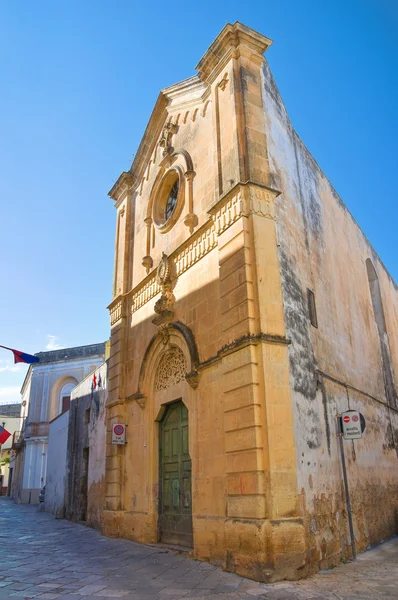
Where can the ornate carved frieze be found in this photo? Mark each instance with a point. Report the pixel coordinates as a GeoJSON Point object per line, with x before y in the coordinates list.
{"type": "Point", "coordinates": [144, 292]}
{"type": "Point", "coordinates": [242, 202]}
{"type": "Point", "coordinates": [261, 202]}
{"type": "Point", "coordinates": [197, 248]}
{"type": "Point", "coordinates": [171, 370]}
{"type": "Point", "coordinates": [229, 212]}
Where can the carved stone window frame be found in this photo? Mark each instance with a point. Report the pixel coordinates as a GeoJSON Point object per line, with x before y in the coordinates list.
{"type": "Point", "coordinates": [178, 162]}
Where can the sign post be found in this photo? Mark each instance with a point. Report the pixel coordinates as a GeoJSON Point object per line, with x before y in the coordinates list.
{"type": "Point", "coordinates": [350, 426]}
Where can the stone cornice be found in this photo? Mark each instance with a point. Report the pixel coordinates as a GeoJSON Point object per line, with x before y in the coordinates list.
{"type": "Point", "coordinates": [192, 85]}
{"type": "Point", "coordinates": [193, 377]}
{"type": "Point", "coordinates": [122, 185]}
{"type": "Point", "coordinates": [246, 340]}
{"type": "Point", "coordinates": [150, 137]}
{"type": "Point", "coordinates": [242, 200]}
{"type": "Point", "coordinates": [232, 40]}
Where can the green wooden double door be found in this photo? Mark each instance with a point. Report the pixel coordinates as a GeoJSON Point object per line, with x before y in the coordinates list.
{"type": "Point", "coordinates": [175, 515]}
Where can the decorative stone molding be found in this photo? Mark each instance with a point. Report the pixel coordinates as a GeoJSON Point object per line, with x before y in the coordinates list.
{"type": "Point", "coordinates": [164, 307]}
{"type": "Point", "coordinates": [261, 201]}
{"type": "Point", "coordinates": [196, 248]}
{"type": "Point", "coordinates": [241, 201]}
{"type": "Point", "coordinates": [230, 211]}
{"type": "Point", "coordinates": [124, 183]}
{"type": "Point", "coordinates": [191, 221]}
{"type": "Point", "coordinates": [193, 379]}
{"type": "Point", "coordinates": [147, 262]}
{"type": "Point", "coordinates": [171, 370]}
{"type": "Point", "coordinates": [167, 134]}
{"type": "Point", "coordinates": [139, 398]}
{"type": "Point", "coordinates": [223, 83]}
{"type": "Point", "coordinates": [232, 41]}
{"type": "Point", "coordinates": [144, 292]}
{"type": "Point", "coordinates": [165, 303]}
{"type": "Point", "coordinates": [163, 272]}
{"type": "Point", "coordinates": [116, 311]}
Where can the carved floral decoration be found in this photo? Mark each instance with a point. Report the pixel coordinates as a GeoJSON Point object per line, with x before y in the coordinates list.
{"type": "Point", "coordinates": [171, 370]}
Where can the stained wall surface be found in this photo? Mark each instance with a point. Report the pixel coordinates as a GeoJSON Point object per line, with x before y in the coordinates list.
{"type": "Point", "coordinates": [86, 449]}
{"type": "Point", "coordinates": [342, 363]}
{"type": "Point", "coordinates": [56, 479]}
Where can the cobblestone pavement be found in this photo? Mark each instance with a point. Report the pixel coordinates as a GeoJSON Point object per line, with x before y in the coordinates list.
{"type": "Point", "coordinates": [49, 559]}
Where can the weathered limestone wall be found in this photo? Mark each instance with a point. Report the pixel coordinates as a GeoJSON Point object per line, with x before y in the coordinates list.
{"type": "Point", "coordinates": [97, 445]}
{"type": "Point", "coordinates": [56, 479]}
{"type": "Point", "coordinates": [337, 365]}
{"type": "Point", "coordinates": [87, 449]}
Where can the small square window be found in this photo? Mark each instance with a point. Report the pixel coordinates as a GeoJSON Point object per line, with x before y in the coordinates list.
{"type": "Point", "coordinates": [312, 308]}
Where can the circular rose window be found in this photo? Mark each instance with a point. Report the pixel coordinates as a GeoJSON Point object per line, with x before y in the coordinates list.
{"type": "Point", "coordinates": [167, 203]}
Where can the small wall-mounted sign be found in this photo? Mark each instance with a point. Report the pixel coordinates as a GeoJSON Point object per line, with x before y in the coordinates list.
{"type": "Point", "coordinates": [353, 425]}
{"type": "Point", "coordinates": [118, 433]}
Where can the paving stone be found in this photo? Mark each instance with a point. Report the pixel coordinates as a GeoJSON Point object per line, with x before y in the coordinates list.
{"type": "Point", "coordinates": [112, 593]}
{"type": "Point", "coordinates": [90, 590]}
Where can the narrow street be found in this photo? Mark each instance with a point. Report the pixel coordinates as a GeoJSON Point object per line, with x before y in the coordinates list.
{"type": "Point", "coordinates": [41, 557]}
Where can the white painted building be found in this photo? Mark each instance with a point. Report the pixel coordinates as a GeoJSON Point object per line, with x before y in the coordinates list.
{"type": "Point", "coordinates": [46, 394]}
{"type": "Point", "coordinates": [75, 482]}
{"type": "Point", "coordinates": [11, 424]}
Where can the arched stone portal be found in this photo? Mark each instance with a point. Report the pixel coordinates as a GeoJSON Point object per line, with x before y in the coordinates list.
{"type": "Point", "coordinates": [167, 395]}
{"type": "Point", "coordinates": [175, 481]}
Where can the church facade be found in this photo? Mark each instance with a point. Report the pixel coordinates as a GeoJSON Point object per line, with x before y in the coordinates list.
{"type": "Point", "coordinates": [248, 311]}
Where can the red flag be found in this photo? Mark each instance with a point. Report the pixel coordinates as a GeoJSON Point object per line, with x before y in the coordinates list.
{"type": "Point", "coordinates": [22, 357]}
{"type": "Point", "coordinates": [94, 381]}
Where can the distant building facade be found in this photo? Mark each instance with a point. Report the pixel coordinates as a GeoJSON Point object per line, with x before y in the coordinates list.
{"type": "Point", "coordinates": [10, 410]}
{"type": "Point", "coordinates": [46, 393]}
{"type": "Point", "coordinates": [75, 482]}
{"type": "Point", "coordinates": [10, 424]}
{"type": "Point", "coordinates": [248, 310]}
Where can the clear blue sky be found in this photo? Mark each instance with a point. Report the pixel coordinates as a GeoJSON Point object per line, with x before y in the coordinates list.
{"type": "Point", "coordinates": [79, 79]}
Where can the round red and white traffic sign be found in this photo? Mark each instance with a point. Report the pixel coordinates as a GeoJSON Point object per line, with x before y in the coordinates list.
{"type": "Point", "coordinates": [118, 429]}
{"type": "Point", "coordinates": [346, 419]}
